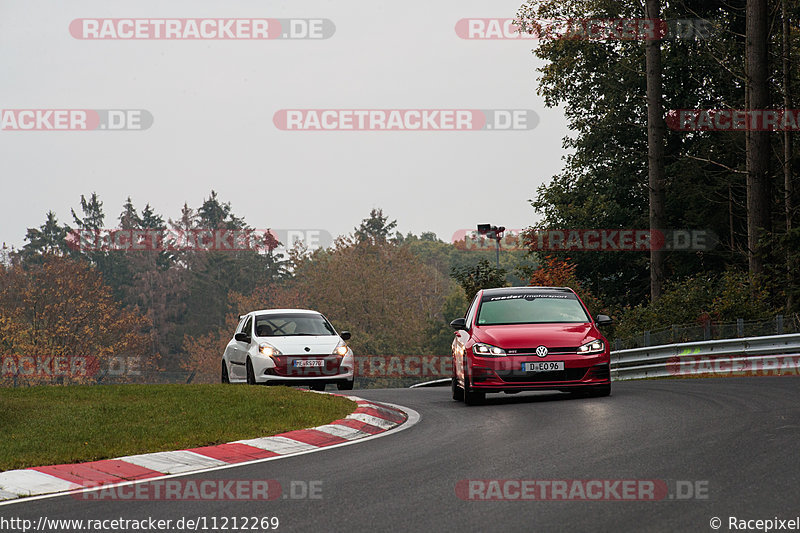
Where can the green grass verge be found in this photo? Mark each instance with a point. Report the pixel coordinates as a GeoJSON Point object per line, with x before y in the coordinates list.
{"type": "Point", "coordinates": [54, 425]}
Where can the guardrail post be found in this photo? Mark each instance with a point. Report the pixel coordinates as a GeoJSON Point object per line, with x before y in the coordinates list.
{"type": "Point", "coordinates": [707, 331]}
{"type": "Point", "coordinates": [647, 338]}
{"type": "Point", "coordinates": [740, 327]}
{"type": "Point", "coordinates": [617, 344]}
{"type": "Point", "coordinates": [779, 324]}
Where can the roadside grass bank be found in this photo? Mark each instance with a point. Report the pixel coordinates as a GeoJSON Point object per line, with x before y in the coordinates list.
{"type": "Point", "coordinates": [48, 425]}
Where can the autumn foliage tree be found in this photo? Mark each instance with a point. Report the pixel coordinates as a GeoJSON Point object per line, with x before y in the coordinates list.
{"type": "Point", "coordinates": [380, 291]}
{"type": "Point", "coordinates": [383, 293]}
{"type": "Point", "coordinates": [60, 307]}
{"type": "Point", "coordinates": [558, 272]}
{"type": "Point", "coordinates": [204, 352]}
{"type": "Point", "coordinates": [482, 275]}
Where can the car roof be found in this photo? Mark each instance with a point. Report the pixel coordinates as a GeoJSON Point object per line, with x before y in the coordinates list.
{"type": "Point", "coordinates": [283, 311]}
{"type": "Point", "coordinates": [501, 291]}
{"type": "Point", "coordinates": [280, 312]}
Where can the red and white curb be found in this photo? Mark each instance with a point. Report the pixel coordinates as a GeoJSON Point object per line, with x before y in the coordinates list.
{"type": "Point", "coordinates": [368, 421]}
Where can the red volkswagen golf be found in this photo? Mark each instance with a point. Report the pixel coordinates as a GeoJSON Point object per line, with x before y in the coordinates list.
{"type": "Point", "coordinates": [529, 338]}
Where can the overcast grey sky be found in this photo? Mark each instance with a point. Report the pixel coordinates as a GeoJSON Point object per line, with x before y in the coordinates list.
{"type": "Point", "coordinates": [213, 104]}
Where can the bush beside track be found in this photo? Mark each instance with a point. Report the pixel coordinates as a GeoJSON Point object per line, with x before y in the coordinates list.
{"type": "Point", "coordinates": [53, 425]}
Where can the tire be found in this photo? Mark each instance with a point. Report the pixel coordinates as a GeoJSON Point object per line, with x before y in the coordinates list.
{"type": "Point", "coordinates": [224, 378]}
{"type": "Point", "coordinates": [347, 385]}
{"type": "Point", "coordinates": [474, 398]}
{"type": "Point", "coordinates": [251, 375]}
{"type": "Point", "coordinates": [319, 387]}
{"type": "Point", "coordinates": [470, 396]}
{"type": "Point", "coordinates": [458, 392]}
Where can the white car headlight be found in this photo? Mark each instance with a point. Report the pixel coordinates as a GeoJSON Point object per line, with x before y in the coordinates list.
{"type": "Point", "coordinates": [595, 346]}
{"type": "Point", "coordinates": [341, 349]}
{"type": "Point", "coordinates": [487, 350]}
{"type": "Point", "coordinates": [269, 350]}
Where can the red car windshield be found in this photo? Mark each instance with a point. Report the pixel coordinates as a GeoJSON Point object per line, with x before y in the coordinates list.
{"type": "Point", "coordinates": [531, 309]}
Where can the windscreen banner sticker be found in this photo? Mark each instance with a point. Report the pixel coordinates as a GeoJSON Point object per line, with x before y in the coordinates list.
{"type": "Point", "coordinates": [529, 297]}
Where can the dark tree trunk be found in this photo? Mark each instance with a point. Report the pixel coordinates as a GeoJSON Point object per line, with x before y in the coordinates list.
{"type": "Point", "coordinates": [655, 149]}
{"type": "Point", "coordinates": [788, 186]}
{"type": "Point", "coordinates": [758, 201]}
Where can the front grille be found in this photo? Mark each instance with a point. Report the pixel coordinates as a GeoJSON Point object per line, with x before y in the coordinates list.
{"type": "Point", "coordinates": [570, 374]}
{"type": "Point", "coordinates": [285, 366]}
{"type": "Point", "coordinates": [550, 351]}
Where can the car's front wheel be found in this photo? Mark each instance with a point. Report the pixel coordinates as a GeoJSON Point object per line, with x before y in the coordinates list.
{"type": "Point", "coordinates": [319, 387]}
{"type": "Point", "coordinates": [251, 375]}
{"type": "Point", "coordinates": [346, 385]}
{"type": "Point", "coordinates": [471, 397]}
{"type": "Point", "coordinates": [458, 392]}
{"type": "Point", "coordinates": [224, 378]}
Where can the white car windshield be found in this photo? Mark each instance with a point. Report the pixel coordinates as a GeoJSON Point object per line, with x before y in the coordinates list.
{"type": "Point", "coordinates": [292, 325]}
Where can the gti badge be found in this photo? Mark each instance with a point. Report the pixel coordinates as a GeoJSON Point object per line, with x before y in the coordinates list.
{"type": "Point", "coordinates": [541, 351]}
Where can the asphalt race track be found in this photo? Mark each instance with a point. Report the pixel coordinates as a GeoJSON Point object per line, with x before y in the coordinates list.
{"type": "Point", "coordinates": [736, 437]}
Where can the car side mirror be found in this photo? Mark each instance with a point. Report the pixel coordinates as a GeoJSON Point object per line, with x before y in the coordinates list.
{"type": "Point", "coordinates": [604, 320]}
{"type": "Point", "coordinates": [242, 337]}
{"type": "Point", "coordinates": [345, 335]}
{"type": "Point", "coordinates": [459, 323]}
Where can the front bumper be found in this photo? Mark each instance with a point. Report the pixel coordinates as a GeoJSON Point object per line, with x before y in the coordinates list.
{"type": "Point", "coordinates": [506, 374]}
{"type": "Point", "coordinates": [280, 370]}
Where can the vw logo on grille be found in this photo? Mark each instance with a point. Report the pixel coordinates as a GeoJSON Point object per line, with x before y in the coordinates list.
{"type": "Point", "coordinates": [541, 351]}
{"type": "Point", "coordinates": [309, 349]}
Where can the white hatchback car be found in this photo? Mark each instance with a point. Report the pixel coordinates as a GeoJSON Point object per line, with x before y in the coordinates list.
{"type": "Point", "coordinates": [288, 347]}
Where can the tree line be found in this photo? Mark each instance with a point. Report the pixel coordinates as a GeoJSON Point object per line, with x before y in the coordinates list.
{"type": "Point", "coordinates": [627, 169]}
{"type": "Point", "coordinates": [393, 291]}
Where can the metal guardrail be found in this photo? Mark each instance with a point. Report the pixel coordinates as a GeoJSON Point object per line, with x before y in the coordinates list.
{"type": "Point", "coordinates": [746, 356]}
{"type": "Point", "coordinates": [710, 330]}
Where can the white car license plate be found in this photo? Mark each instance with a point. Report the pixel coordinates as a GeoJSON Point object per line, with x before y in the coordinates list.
{"type": "Point", "coordinates": [309, 362]}
{"type": "Point", "coordinates": [543, 366]}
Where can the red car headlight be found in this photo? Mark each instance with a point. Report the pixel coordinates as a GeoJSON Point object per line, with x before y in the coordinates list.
{"type": "Point", "coordinates": [595, 346]}
{"type": "Point", "coordinates": [487, 350]}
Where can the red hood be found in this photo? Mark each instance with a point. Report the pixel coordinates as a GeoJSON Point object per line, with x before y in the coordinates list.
{"type": "Point", "coordinates": [532, 335]}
